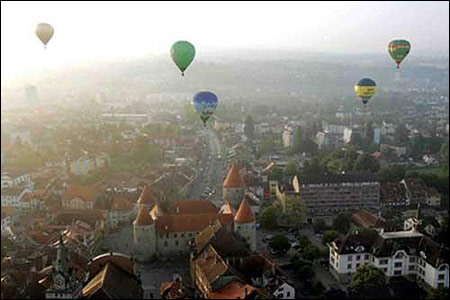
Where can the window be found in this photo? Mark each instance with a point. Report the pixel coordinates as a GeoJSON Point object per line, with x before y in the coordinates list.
{"type": "Point", "coordinates": [441, 277]}
{"type": "Point", "coordinates": [412, 259]}
{"type": "Point", "coordinates": [350, 258]}
{"type": "Point", "coordinates": [366, 257]}
{"type": "Point", "coordinates": [358, 257]}
{"type": "Point", "coordinates": [384, 270]}
{"type": "Point", "coordinates": [440, 285]}
{"type": "Point", "coordinates": [288, 294]}
{"type": "Point", "coordinates": [357, 265]}
{"type": "Point", "coordinates": [411, 268]}
{"type": "Point", "coordinates": [383, 261]}
{"type": "Point", "coordinates": [177, 243]}
{"type": "Point", "coordinates": [397, 273]}
{"type": "Point", "coordinates": [166, 244]}
{"type": "Point", "coordinates": [182, 235]}
{"type": "Point", "coordinates": [349, 266]}
{"type": "Point", "coordinates": [175, 235]}
{"type": "Point", "coordinates": [398, 265]}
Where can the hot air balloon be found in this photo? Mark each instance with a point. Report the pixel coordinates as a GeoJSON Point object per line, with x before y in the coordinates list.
{"type": "Point", "coordinates": [44, 32]}
{"type": "Point", "coordinates": [183, 54]}
{"type": "Point", "coordinates": [205, 104]}
{"type": "Point", "coordinates": [399, 49]}
{"type": "Point", "coordinates": [365, 89]}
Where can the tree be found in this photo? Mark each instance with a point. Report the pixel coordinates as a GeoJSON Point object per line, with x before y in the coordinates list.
{"type": "Point", "coordinates": [290, 169]}
{"type": "Point", "coordinates": [306, 272]}
{"type": "Point", "coordinates": [249, 127]}
{"type": "Point", "coordinates": [310, 252]}
{"type": "Point", "coordinates": [439, 293]}
{"type": "Point", "coordinates": [366, 280]}
{"type": "Point", "coordinates": [444, 158]}
{"type": "Point", "coordinates": [401, 134]}
{"type": "Point", "coordinates": [280, 243]}
{"type": "Point", "coordinates": [329, 236]}
{"type": "Point", "coordinates": [303, 142]}
{"type": "Point", "coordinates": [312, 170]}
{"type": "Point", "coordinates": [303, 240]}
{"type": "Point", "coordinates": [268, 218]}
{"type": "Point", "coordinates": [276, 174]}
{"type": "Point", "coordinates": [392, 174]}
{"type": "Point", "coordinates": [368, 132]}
{"type": "Point", "coordinates": [320, 225]}
{"type": "Point", "coordinates": [342, 223]}
{"type": "Point", "coordinates": [266, 146]}
{"type": "Point", "coordinates": [367, 163]}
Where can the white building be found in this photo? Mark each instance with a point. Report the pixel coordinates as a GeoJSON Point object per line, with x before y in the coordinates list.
{"type": "Point", "coordinates": [288, 138]}
{"type": "Point", "coordinates": [401, 253]}
{"type": "Point", "coordinates": [11, 179]}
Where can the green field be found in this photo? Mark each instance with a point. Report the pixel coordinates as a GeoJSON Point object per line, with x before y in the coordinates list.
{"type": "Point", "coordinates": [426, 170]}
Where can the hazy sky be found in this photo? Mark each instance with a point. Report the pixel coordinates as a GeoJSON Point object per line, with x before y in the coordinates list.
{"type": "Point", "coordinates": [88, 31]}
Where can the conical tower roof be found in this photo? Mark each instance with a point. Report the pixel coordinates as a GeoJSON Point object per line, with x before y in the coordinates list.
{"type": "Point", "coordinates": [143, 218]}
{"type": "Point", "coordinates": [234, 178]}
{"type": "Point", "coordinates": [244, 214]}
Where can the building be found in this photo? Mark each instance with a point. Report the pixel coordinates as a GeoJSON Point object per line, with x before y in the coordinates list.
{"type": "Point", "coordinates": [332, 194]}
{"type": "Point", "coordinates": [365, 219]}
{"type": "Point", "coordinates": [233, 187]}
{"type": "Point", "coordinates": [418, 192]}
{"type": "Point", "coordinates": [112, 276]}
{"type": "Point", "coordinates": [393, 195]}
{"type": "Point", "coordinates": [87, 164]}
{"type": "Point", "coordinates": [398, 150]}
{"type": "Point", "coordinates": [403, 253]}
{"type": "Point", "coordinates": [14, 196]}
{"type": "Point", "coordinates": [328, 139]}
{"type": "Point", "coordinates": [167, 228]}
{"type": "Point", "coordinates": [79, 197]}
{"type": "Point", "coordinates": [222, 267]}
{"type": "Point", "coordinates": [12, 179]}
{"type": "Point", "coordinates": [288, 138]}
{"type": "Point", "coordinates": [65, 285]}
{"type": "Point", "coordinates": [121, 212]}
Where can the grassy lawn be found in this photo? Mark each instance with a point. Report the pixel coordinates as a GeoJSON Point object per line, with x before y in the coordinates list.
{"type": "Point", "coordinates": [427, 170]}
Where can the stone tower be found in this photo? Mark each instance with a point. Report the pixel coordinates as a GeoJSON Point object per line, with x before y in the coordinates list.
{"type": "Point", "coordinates": [144, 235]}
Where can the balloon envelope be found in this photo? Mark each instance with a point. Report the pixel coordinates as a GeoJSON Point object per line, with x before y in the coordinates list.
{"type": "Point", "coordinates": [182, 53]}
{"type": "Point", "coordinates": [205, 104]}
{"type": "Point", "coordinates": [365, 89]}
{"type": "Point", "coordinates": [44, 32]}
{"type": "Point", "coordinates": [399, 49]}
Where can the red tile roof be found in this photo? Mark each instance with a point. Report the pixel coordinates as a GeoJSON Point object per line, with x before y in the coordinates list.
{"type": "Point", "coordinates": [244, 213]}
{"type": "Point", "coordinates": [143, 218]}
{"type": "Point", "coordinates": [87, 194]}
{"type": "Point", "coordinates": [121, 204]}
{"type": "Point", "coordinates": [191, 207]}
{"type": "Point", "coordinates": [184, 223]}
{"type": "Point", "coordinates": [233, 290]}
{"type": "Point", "coordinates": [368, 220]}
{"type": "Point", "coordinates": [234, 178]}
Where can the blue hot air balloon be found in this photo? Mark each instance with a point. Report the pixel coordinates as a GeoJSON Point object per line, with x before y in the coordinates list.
{"type": "Point", "coordinates": [205, 104]}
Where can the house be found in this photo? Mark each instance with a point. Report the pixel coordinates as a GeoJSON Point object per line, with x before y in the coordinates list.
{"type": "Point", "coordinates": [13, 196]}
{"type": "Point", "coordinates": [122, 211]}
{"type": "Point", "coordinates": [13, 178]}
{"type": "Point", "coordinates": [402, 253]}
{"type": "Point", "coordinates": [430, 160]}
{"type": "Point", "coordinates": [87, 164]}
{"type": "Point", "coordinates": [393, 195]}
{"type": "Point", "coordinates": [79, 197]}
{"type": "Point", "coordinates": [112, 276]}
{"type": "Point", "coordinates": [222, 267]}
{"type": "Point", "coordinates": [365, 219]}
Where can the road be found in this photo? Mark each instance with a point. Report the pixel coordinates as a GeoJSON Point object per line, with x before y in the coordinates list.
{"type": "Point", "coordinates": [210, 169]}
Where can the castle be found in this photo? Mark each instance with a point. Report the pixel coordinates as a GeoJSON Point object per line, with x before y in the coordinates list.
{"type": "Point", "coordinates": [163, 229]}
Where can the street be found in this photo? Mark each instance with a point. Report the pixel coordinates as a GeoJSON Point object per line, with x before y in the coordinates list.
{"type": "Point", "coordinates": [210, 169]}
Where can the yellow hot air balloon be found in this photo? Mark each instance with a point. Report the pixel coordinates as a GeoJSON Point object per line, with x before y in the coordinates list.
{"type": "Point", "coordinates": [44, 32]}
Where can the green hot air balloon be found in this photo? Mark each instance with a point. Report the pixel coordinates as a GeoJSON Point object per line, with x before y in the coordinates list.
{"type": "Point", "coordinates": [183, 54]}
{"type": "Point", "coordinates": [399, 49]}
